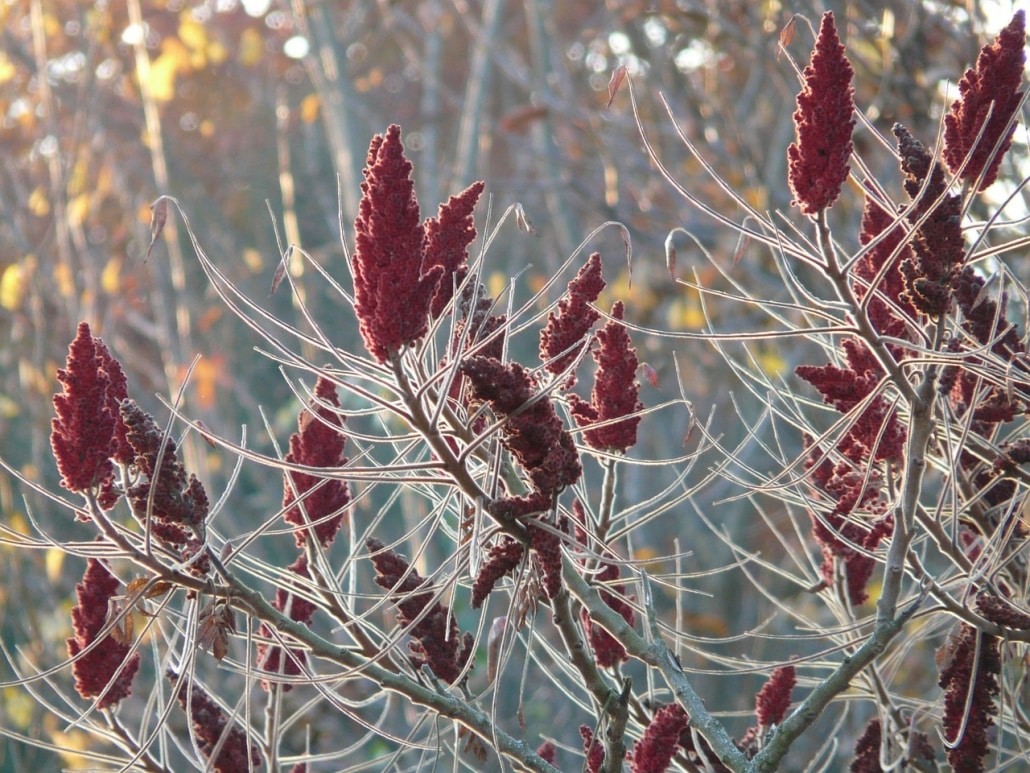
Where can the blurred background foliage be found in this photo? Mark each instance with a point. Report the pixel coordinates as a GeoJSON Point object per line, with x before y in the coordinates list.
{"type": "Point", "coordinates": [257, 115]}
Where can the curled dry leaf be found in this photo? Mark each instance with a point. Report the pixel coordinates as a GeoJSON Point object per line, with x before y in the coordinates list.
{"type": "Point", "coordinates": [618, 76]}
{"type": "Point", "coordinates": [787, 35]}
{"type": "Point", "coordinates": [127, 606]}
{"type": "Point", "coordinates": [123, 628]}
{"type": "Point", "coordinates": [985, 291]}
{"type": "Point", "coordinates": [137, 584]}
{"type": "Point", "coordinates": [206, 434]}
{"type": "Point", "coordinates": [522, 221]}
{"type": "Point", "coordinates": [474, 745]}
{"type": "Point", "coordinates": [493, 647]}
{"type": "Point", "coordinates": [158, 218]}
{"type": "Point", "coordinates": [280, 271]}
{"type": "Point", "coordinates": [216, 622]}
{"type": "Point", "coordinates": [650, 374]}
{"type": "Point", "coordinates": [670, 256]}
{"type": "Point", "coordinates": [742, 244]}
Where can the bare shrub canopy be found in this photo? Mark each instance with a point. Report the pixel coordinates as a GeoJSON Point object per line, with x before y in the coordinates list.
{"type": "Point", "coordinates": [474, 563]}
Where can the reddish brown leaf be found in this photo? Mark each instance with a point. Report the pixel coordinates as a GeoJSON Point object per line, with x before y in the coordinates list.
{"type": "Point", "coordinates": [650, 374]}
{"type": "Point", "coordinates": [787, 35]}
{"type": "Point", "coordinates": [205, 433]}
{"type": "Point", "coordinates": [280, 272]}
{"type": "Point", "coordinates": [618, 76]}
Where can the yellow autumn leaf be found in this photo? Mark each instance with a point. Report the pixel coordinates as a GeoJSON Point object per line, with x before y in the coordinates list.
{"type": "Point", "coordinates": [216, 52]}
{"type": "Point", "coordinates": [686, 315]}
{"type": "Point", "coordinates": [704, 624]}
{"type": "Point", "coordinates": [9, 408]}
{"type": "Point", "coordinates": [34, 380]}
{"type": "Point", "coordinates": [80, 178]}
{"type": "Point", "coordinates": [54, 562]}
{"type": "Point", "coordinates": [874, 589]}
{"type": "Point", "coordinates": [771, 363]}
{"type": "Point", "coordinates": [7, 69]}
{"type": "Point", "coordinates": [65, 280]}
{"type": "Point", "coordinates": [535, 283]}
{"type": "Point", "coordinates": [14, 283]}
{"type": "Point", "coordinates": [39, 202]}
{"type": "Point", "coordinates": [52, 25]}
{"type": "Point", "coordinates": [174, 58]}
{"type": "Point", "coordinates": [496, 283]}
{"type": "Point", "coordinates": [194, 35]}
{"type": "Point", "coordinates": [309, 107]}
{"type": "Point", "coordinates": [252, 259]}
{"type": "Point", "coordinates": [214, 462]}
{"type": "Point", "coordinates": [18, 707]}
{"type": "Point", "coordinates": [191, 32]}
{"type": "Point", "coordinates": [757, 196]}
{"type": "Point", "coordinates": [111, 277]}
{"type": "Point", "coordinates": [78, 210]}
{"type": "Point", "coordinates": [646, 554]}
{"type": "Point", "coordinates": [619, 287]}
{"type": "Point", "coordinates": [18, 523]}
{"type": "Point", "coordinates": [70, 745]}
{"type": "Point", "coordinates": [251, 49]}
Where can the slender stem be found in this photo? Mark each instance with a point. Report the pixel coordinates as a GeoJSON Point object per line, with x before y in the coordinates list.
{"type": "Point", "coordinates": [444, 704]}
{"type": "Point", "coordinates": [654, 652]}
{"type": "Point", "coordinates": [607, 505]}
{"type": "Point", "coordinates": [866, 330]}
{"type": "Point", "coordinates": [888, 624]}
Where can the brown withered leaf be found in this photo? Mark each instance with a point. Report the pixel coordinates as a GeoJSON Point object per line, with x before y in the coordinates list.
{"type": "Point", "coordinates": [215, 624]}
{"type": "Point", "coordinates": [280, 272]}
{"type": "Point", "coordinates": [944, 654]}
{"type": "Point", "coordinates": [121, 630]}
{"type": "Point", "coordinates": [473, 745]}
{"type": "Point", "coordinates": [985, 291]}
{"type": "Point", "coordinates": [670, 255]}
{"type": "Point", "coordinates": [787, 35]}
{"type": "Point", "coordinates": [137, 584]}
{"type": "Point", "coordinates": [158, 218]}
{"type": "Point", "coordinates": [618, 76]}
{"type": "Point", "coordinates": [522, 221]}
{"type": "Point", "coordinates": [493, 647]}
{"type": "Point", "coordinates": [742, 244]}
{"type": "Point", "coordinates": [206, 434]}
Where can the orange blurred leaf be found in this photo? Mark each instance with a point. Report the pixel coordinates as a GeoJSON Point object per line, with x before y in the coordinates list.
{"type": "Point", "coordinates": [208, 375]}
{"type": "Point", "coordinates": [309, 107]}
{"type": "Point", "coordinates": [519, 120]}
